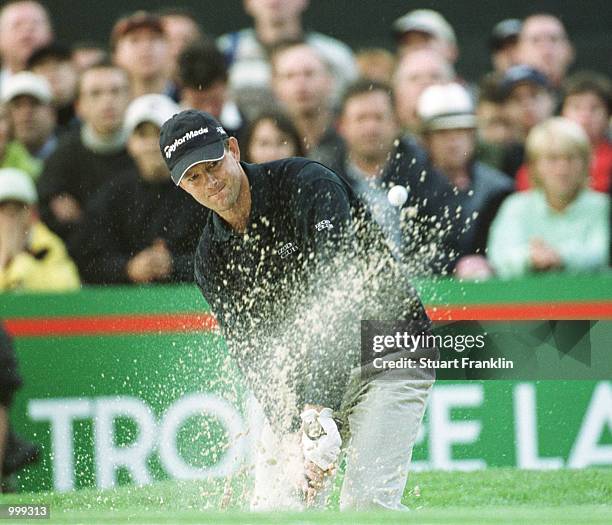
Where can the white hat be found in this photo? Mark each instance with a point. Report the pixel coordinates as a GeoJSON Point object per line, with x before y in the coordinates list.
{"type": "Point", "coordinates": [153, 108]}
{"type": "Point", "coordinates": [425, 21]}
{"type": "Point", "coordinates": [26, 83]}
{"type": "Point", "coordinates": [16, 185]}
{"type": "Point", "coordinates": [446, 106]}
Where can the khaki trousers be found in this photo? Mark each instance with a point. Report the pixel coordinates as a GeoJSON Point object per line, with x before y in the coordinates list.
{"type": "Point", "coordinates": [380, 420]}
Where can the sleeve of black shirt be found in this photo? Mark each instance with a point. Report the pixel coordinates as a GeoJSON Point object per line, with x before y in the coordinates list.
{"type": "Point", "coordinates": [323, 211]}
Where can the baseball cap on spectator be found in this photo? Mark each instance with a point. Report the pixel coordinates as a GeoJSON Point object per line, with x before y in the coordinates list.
{"type": "Point", "coordinates": [446, 106]}
{"type": "Point", "coordinates": [26, 83]}
{"type": "Point", "coordinates": [134, 21]}
{"type": "Point", "coordinates": [425, 21]}
{"type": "Point", "coordinates": [16, 185]}
{"type": "Point", "coordinates": [522, 74]}
{"type": "Point", "coordinates": [504, 33]}
{"type": "Point", "coordinates": [153, 108]}
{"type": "Point", "coordinates": [189, 138]}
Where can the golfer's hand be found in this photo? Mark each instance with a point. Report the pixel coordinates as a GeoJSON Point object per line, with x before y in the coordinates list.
{"type": "Point", "coordinates": [315, 480]}
{"type": "Point", "coordinates": [321, 448]}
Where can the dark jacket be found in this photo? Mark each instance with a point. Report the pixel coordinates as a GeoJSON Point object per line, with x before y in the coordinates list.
{"type": "Point", "coordinates": [78, 171]}
{"type": "Point", "coordinates": [330, 151]}
{"type": "Point", "coordinates": [10, 380]}
{"type": "Point", "coordinates": [488, 190]}
{"type": "Point", "coordinates": [128, 216]}
{"type": "Point", "coordinates": [471, 211]}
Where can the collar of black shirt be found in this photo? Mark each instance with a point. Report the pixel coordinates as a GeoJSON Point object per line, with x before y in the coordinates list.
{"type": "Point", "coordinates": [261, 186]}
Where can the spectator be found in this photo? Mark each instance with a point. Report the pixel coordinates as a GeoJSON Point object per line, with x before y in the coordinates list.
{"type": "Point", "coordinates": [12, 153]}
{"type": "Point", "coordinates": [303, 84]}
{"type": "Point", "coordinates": [55, 64]}
{"type": "Point", "coordinates": [528, 99]}
{"type": "Point", "coordinates": [376, 63]}
{"type": "Point", "coordinates": [28, 98]}
{"type": "Point", "coordinates": [15, 453]}
{"type": "Point", "coordinates": [560, 224]}
{"type": "Point", "coordinates": [587, 100]}
{"type": "Point", "coordinates": [277, 21]}
{"type": "Point", "coordinates": [477, 190]}
{"type": "Point", "coordinates": [498, 138]}
{"type": "Point", "coordinates": [493, 124]}
{"type": "Point", "coordinates": [182, 30]}
{"type": "Point", "coordinates": [377, 159]}
{"type": "Point", "coordinates": [503, 44]}
{"type": "Point", "coordinates": [31, 257]}
{"type": "Point", "coordinates": [425, 28]}
{"type": "Point", "coordinates": [271, 136]}
{"type": "Point", "coordinates": [24, 27]}
{"type": "Point", "coordinates": [415, 72]}
{"type": "Point", "coordinates": [90, 156]}
{"type": "Point", "coordinates": [143, 229]}
{"type": "Point", "coordinates": [139, 45]}
{"type": "Point", "coordinates": [203, 77]}
{"type": "Point", "coordinates": [10, 381]}
{"type": "Point", "coordinates": [87, 54]}
{"type": "Point", "coordinates": [543, 44]}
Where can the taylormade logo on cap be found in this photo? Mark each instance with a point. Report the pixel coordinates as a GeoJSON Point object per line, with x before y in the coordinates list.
{"type": "Point", "coordinates": [188, 138]}
{"type": "Point", "coordinates": [169, 150]}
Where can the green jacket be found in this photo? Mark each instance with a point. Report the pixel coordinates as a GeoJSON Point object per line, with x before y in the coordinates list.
{"type": "Point", "coordinates": [17, 156]}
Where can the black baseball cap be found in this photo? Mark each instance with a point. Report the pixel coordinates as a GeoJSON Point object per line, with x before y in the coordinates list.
{"type": "Point", "coordinates": [188, 138]}
{"type": "Point", "coordinates": [504, 33]}
{"type": "Point", "coordinates": [522, 74]}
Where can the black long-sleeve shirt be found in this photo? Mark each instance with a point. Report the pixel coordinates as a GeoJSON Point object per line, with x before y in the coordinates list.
{"type": "Point", "coordinates": [290, 291]}
{"type": "Point", "coordinates": [128, 216]}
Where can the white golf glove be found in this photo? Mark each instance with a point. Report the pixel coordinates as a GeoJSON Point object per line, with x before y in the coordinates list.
{"type": "Point", "coordinates": [320, 440]}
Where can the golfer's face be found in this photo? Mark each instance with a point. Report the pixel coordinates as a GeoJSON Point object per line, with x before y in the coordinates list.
{"type": "Point", "coordinates": [216, 184]}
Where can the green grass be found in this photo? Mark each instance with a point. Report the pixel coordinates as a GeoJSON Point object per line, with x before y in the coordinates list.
{"type": "Point", "coordinates": [495, 496]}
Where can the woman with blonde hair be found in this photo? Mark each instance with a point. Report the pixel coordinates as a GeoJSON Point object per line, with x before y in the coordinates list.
{"type": "Point", "coordinates": [560, 224]}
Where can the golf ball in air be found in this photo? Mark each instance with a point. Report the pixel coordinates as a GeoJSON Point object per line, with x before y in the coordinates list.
{"type": "Point", "coordinates": [397, 195]}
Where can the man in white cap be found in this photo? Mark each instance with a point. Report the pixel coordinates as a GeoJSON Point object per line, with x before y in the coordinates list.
{"type": "Point", "coordinates": [29, 101]}
{"type": "Point", "coordinates": [31, 257]}
{"type": "Point", "coordinates": [139, 229]}
{"type": "Point", "coordinates": [425, 28]}
{"type": "Point", "coordinates": [476, 190]}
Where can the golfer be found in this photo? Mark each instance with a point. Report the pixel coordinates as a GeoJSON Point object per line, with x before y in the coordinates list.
{"type": "Point", "coordinates": [290, 263]}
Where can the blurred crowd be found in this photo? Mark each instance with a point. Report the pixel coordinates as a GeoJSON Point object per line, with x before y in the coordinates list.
{"type": "Point", "coordinates": [507, 175]}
